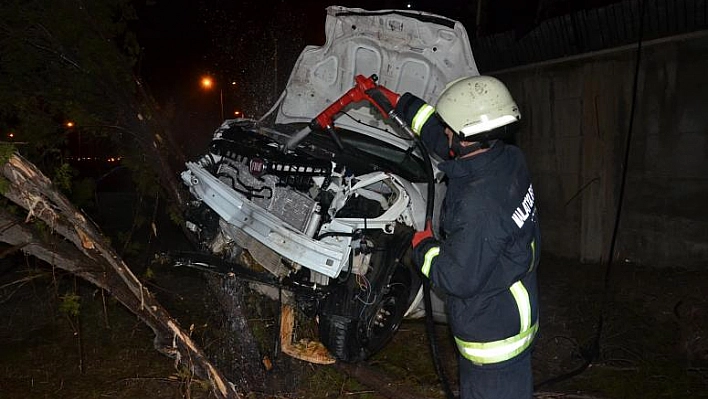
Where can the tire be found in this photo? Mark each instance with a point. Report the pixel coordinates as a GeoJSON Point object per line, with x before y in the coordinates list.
{"type": "Point", "coordinates": [354, 327]}
{"type": "Point", "coordinates": [378, 329]}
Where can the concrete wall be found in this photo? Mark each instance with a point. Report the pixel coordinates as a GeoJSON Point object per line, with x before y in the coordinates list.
{"type": "Point", "coordinates": [575, 122]}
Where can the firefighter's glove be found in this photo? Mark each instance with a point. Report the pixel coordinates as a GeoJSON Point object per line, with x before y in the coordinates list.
{"type": "Point", "coordinates": [423, 235]}
{"type": "Point", "coordinates": [422, 242]}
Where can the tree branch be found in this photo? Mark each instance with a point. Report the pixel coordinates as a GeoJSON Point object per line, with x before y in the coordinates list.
{"type": "Point", "coordinates": [78, 247]}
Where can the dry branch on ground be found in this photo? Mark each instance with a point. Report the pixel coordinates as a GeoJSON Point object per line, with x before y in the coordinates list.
{"type": "Point", "coordinates": [74, 244]}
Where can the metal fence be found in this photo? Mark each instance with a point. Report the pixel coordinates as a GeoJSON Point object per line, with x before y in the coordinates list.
{"type": "Point", "coordinates": [591, 30]}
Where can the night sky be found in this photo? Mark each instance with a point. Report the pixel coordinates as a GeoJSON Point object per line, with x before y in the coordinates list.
{"type": "Point", "coordinates": [179, 42]}
{"type": "Point", "coordinates": [254, 44]}
{"type": "Point", "coordinates": [183, 40]}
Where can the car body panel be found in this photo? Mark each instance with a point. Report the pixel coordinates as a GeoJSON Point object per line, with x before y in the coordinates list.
{"type": "Point", "coordinates": [409, 51]}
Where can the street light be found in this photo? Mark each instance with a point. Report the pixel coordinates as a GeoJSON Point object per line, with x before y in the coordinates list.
{"type": "Point", "coordinates": [208, 83]}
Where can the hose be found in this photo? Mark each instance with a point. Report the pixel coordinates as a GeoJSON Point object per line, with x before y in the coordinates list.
{"type": "Point", "coordinates": [592, 352]}
{"type": "Point", "coordinates": [427, 301]}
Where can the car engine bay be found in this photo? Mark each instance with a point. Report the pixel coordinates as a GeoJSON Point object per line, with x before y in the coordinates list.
{"type": "Point", "coordinates": [319, 201]}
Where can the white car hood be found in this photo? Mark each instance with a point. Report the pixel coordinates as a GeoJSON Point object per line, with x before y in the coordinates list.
{"type": "Point", "coordinates": [410, 51]}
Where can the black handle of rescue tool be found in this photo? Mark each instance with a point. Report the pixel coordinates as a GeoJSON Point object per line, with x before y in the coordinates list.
{"type": "Point", "coordinates": [380, 99]}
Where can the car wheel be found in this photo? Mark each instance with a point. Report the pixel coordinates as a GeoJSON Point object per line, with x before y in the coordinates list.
{"type": "Point", "coordinates": [355, 323]}
{"type": "Point", "coordinates": [383, 322]}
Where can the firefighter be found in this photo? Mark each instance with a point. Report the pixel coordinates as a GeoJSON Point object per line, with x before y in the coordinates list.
{"type": "Point", "coordinates": [486, 255]}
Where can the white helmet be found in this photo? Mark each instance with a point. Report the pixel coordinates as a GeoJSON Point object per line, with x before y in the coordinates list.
{"type": "Point", "coordinates": [476, 104]}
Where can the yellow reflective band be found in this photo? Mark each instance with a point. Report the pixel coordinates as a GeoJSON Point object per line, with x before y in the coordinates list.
{"type": "Point", "coordinates": [499, 351]}
{"type": "Point", "coordinates": [421, 117]}
{"type": "Point", "coordinates": [521, 296]}
{"type": "Point", "coordinates": [533, 254]}
{"type": "Point", "coordinates": [429, 256]}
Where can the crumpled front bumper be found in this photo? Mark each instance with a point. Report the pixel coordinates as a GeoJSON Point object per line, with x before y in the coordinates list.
{"type": "Point", "coordinates": [327, 256]}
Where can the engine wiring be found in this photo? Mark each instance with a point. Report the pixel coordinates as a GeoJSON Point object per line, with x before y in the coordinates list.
{"type": "Point", "coordinates": [361, 280]}
{"type": "Point", "coordinates": [364, 286]}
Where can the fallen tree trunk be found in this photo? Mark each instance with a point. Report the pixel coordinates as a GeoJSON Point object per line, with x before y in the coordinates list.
{"type": "Point", "coordinates": [239, 350]}
{"type": "Point", "coordinates": [77, 246]}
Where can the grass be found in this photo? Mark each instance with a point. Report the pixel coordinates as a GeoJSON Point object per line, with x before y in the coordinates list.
{"type": "Point", "coordinates": [640, 353]}
{"type": "Point", "coordinates": [49, 353]}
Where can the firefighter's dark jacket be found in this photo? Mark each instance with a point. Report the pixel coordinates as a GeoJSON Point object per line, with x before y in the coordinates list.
{"type": "Point", "coordinates": [490, 236]}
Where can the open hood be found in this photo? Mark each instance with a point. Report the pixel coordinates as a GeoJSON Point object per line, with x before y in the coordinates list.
{"type": "Point", "coordinates": [410, 51]}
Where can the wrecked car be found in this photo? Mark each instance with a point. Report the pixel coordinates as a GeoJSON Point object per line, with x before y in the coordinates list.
{"type": "Point", "coordinates": [330, 214]}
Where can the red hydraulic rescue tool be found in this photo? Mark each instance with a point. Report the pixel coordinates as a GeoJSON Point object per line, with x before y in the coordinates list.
{"type": "Point", "coordinates": [365, 89]}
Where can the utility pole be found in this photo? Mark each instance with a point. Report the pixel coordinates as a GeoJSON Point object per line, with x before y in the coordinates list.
{"type": "Point", "coordinates": [478, 23]}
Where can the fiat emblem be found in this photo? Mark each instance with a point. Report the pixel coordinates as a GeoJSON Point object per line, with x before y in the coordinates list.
{"type": "Point", "coordinates": [256, 167]}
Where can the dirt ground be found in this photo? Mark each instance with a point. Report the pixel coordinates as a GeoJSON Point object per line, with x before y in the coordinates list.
{"type": "Point", "coordinates": [60, 338]}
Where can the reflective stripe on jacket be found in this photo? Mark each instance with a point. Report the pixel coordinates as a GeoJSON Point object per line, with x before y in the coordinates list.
{"type": "Point", "coordinates": [505, 349]}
